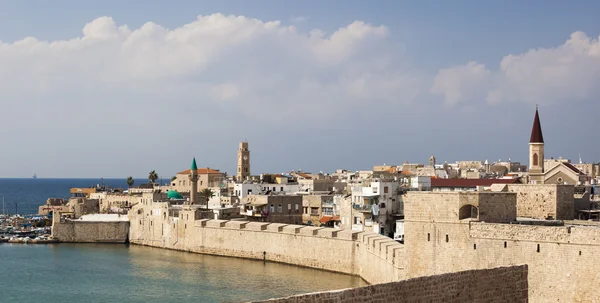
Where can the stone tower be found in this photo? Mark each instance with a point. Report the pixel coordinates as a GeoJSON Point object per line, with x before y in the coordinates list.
{"type": "Point", "coordinates": [243, 167]}
{"type": "Point", "coordinates": [432, 161]}
{"type": "Point", "coordinates": [193, 182]}
{"type": "Point", "coordinates": [536, 152]}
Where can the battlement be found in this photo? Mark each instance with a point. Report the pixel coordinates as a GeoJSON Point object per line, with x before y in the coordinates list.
{"type": "Point", "coordinates": [374, 257]}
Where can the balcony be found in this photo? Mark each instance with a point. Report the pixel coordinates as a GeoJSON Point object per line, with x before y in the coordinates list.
{"type": "Point", "coordinates": [363, 207]}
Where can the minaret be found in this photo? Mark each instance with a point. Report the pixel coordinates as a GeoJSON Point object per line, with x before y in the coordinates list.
{"type": "Point", "coordinates": [432, 160]}
{"type": "Point", "coordinates": [243, 167]}
{"type": "Point", "coordinates": [194, 182]}
{"type": "Point", "coordinates": [536, 151]}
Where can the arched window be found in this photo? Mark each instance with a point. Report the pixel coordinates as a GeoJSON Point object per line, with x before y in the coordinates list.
{"type": "Point", "coordinates": [535, 160]}
{"type": "Point", "coordinates": [468, 211]}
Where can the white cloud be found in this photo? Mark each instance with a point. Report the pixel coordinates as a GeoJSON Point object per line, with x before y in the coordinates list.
{"type": "Point", "coordinates": [457, 83]}
{"type": "Point", "coordinates": [215, 58]}
{"type": "Point", "coordinates": [567, 73]}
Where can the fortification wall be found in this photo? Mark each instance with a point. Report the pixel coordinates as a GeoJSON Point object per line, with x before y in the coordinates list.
{"type": "Point", "coordinates": [83, 232]}
{"type": "Point", "coordinates": [375, 258]}
{"type": "Point", "coordinates": [559, 262]}
{"type": "Point", "coordinates": [543, 201]}
{"type": "Point", "coordinates": [506, 284]}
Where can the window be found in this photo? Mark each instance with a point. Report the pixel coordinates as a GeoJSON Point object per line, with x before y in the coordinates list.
{"type": "Point", "coordinates": [314, 211]}
{"type": "Point", "coordinates": [249, 191]}
{"type": "Point", "coordinates": [274, 188]}
{"type": "Point", "coordinates": [282, 188]}
{"type": "Point", "coordinates": [474, 246]}
{"type": "Point", "coordinates": [375, 190]}
{"type": "Point", "coordinates": [428, 237]}
{"type": "Point", "coordinates": [538, 248]}
{"type": "Point", "coordinates": [447, 239]}
{"type": "Point", "coordinates": [385, 190]}
{"type": "Point", "coordinates": [535, 160]}
{"type": "Point", "coordinates": [279, 208]}
{"type": "Point", "coordinates": [305, 210]}
{"type": "Point", "coordinates": [272, 208]}
{"type": "Point", "coordinates": [297, 207]}
{"type": "Point", "coordinates": [245, 169]}
{"type": "Point", "coordinates": [289, 206]}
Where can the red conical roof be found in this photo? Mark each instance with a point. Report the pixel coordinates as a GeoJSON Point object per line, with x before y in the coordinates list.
{"type": "Point", "coordinates": [536, 131]}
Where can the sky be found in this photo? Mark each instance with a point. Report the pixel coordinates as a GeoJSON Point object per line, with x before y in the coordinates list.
{"type": "Point", "coordinates": [119, 88]}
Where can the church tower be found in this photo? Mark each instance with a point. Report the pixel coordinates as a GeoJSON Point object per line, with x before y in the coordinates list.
{"type": "Point", "coordinates": [243, 167]}
{"type": "Point", "coordinates": [536, 151]}
{"type": "Point", "coordinates": [193, 182]}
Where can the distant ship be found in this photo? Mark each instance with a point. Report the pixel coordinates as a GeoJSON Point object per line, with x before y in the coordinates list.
{"type": "Point", "coordinates": [34, 176]}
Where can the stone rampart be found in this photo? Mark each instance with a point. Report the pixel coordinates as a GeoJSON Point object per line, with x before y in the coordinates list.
{"type": "Point", "coordinates": [92, 231]}
{"type": "Point", "coordinates": [375, 258]}
{"type": "Point", "coordinates": [505, 284]}
{"type": "Point", "coordinates": [582, 235]}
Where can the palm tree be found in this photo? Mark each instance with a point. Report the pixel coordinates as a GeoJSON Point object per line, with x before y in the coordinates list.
{"type": "Point", "coordinates": [130, 181]}
{"type": "Point", "coordinates": [207, 193]}
{"type": "Point", "coordinates": [153, 176]}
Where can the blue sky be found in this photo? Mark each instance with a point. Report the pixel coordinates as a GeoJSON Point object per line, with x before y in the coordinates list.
{"type": "Point", "coordinates": [402, 81]}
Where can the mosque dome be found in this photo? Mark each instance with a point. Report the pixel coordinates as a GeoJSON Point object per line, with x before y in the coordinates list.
{"type": "Point", "coordinates": [172, 194]}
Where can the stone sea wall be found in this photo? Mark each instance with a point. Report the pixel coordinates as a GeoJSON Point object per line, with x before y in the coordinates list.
{"type": "Point", "coordinates": [504, 284]}
{"type": "Point", "coordinates": [377, 259]}
{"type": "Point", "coordinates": [90, 232]}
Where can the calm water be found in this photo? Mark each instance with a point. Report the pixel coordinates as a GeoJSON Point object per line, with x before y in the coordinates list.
{"type": "Point", "coordinates": [118, 273]}
{"type": "Point", "coordinates": [27, 195]}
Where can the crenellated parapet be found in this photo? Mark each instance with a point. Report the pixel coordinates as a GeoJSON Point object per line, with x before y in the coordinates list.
{"type": "Point", "coordinates": [374, 257]}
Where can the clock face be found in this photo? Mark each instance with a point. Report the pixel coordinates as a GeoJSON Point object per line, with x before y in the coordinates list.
{"type": "Point", "coordinates": [245, 157]}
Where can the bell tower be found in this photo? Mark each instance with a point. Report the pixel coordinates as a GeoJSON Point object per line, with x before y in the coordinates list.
{"type": "Point", "coordinates": [536, 151]}
{"type": "Point", "coordinates": [243, 167]}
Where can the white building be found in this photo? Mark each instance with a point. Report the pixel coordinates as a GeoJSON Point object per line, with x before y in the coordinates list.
{"type": "Point", "coordinates": [241, 190]}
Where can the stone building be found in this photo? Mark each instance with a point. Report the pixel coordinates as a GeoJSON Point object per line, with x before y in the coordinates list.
{"type": "Point", "coordinates": [319, 210]}
{"type": "Point", "coordinates": [272, 208]}
{"type": "Point", "coordinates": [207, 177]}
{"type": "Point", "coordinates": [243, 166]}
{"type": "Point", "coordinates": [542, 171]}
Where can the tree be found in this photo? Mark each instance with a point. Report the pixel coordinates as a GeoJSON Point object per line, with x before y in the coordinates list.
{"type": "Point", "coordinates": [130, 181]}
{"type": "Point", "coordinates": [207, 193]}
{"type": "Point", "coordinates": [152, 176]}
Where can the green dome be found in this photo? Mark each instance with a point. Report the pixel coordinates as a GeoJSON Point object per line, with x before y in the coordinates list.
{"type": "Point", "coordinates": [172, 194]}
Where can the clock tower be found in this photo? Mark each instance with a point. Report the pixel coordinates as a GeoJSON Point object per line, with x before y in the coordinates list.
{"type": "Point", "coordinates": [243, 167]}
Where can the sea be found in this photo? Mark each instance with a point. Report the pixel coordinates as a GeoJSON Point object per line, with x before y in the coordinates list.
{"type": "Point", "coordinates": [24, 196]}
{"type": "Point", "coordinates": [119, 273]}
{"type": "Point", "coordinates": [66, 273]}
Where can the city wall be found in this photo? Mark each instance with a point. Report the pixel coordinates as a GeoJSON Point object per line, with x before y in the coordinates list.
{"type": "Point", "coordinates": [560, 258]}
{"type": "Point", "coordinates": [505, 284]}
{"type": "Point", "coordinates": [541, 201]}
{"type": "Point", "coordinates": [377, 259]}
{"type": "Point", "coordinates": [89, 231]}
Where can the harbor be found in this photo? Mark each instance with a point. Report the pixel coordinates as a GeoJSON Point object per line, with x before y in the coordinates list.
{"type": "Point", "coordinates": [26, 229]}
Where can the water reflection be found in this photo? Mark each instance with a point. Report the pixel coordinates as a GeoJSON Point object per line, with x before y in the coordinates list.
{"type": "Point", "coordinates": [117, 273]}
